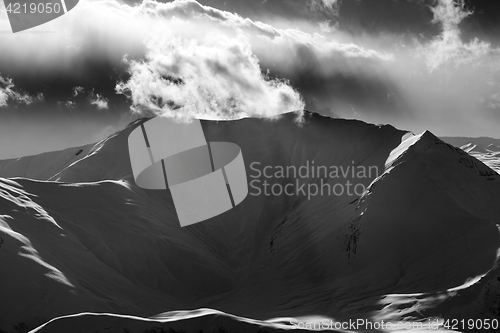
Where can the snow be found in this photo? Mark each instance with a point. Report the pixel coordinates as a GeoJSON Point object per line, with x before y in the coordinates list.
{"type": "Point", "coordinates": [487, 150]}
{"type": "Point", "coordinates": [80, 241]}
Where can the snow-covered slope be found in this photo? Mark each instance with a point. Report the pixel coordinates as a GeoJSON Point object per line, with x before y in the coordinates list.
{"type": "Point", "coordinates": [487, 150]}
{"type": "Point", "coordinates": [482, 144]}
{"type": "Point", "coordinates": [43, 166]}
{"type": "Point", "coordinates": [201, 320]}
{"type": "Point", "coordinates": [94, 242]}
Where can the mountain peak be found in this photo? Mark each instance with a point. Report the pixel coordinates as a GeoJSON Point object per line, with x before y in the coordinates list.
{"type": "Point", "coordinates": [429, 149]}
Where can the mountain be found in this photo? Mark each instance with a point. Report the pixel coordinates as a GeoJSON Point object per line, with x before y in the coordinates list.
{"type": "Point", "coordinates": [487, 150]}
{"type": "Point", "coordinates": [77, 236]}
{"type": "Point", "coordinates": [43, 166]}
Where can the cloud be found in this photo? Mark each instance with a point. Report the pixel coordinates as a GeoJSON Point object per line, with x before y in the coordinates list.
{"type": "Point", "coordinates": [236, 38]}
{"type": "Point", "coordinates": [67, 104]}
{"type": "Point", "coordinates": [448, 47]}
{"type": "Point", "coordinates": [106, 29]}
{"type": "Point", "coordinates": [330, 6]}
{"type": "Point", "coordinates": [194, 11]}
{"type": "Point", "coordinates": [98, 100]}
{"type": "Point", "coordinates": [77, 91]}
{"type": "Point", "coordinates": [187, 16]}
{"type": "Point", "coordinates": [3, 98]}
{"type": "Point", "coordinates": [217, 61]}
{"type": "Point", "coordinates": [220, 78]}
{"type": "Point", "coordinates": [445, 84]}
{"type": "Point", "coordinates": [494, 101]}
{"type": "Point", "coordinates": [103, 31]}
{"type": "Point", "coordinates": [325, 27]}
{"type": "Point", "coordinates": [8, 92]}
{"type": "Point", "coordinates": [308, 59]}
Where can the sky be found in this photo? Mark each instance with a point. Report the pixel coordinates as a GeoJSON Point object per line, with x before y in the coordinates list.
{"type": "Point", "coordinates": [415, 64]}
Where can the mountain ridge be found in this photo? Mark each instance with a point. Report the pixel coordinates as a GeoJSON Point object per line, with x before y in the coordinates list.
{"type": "Point", "coordinates": [336, 256]}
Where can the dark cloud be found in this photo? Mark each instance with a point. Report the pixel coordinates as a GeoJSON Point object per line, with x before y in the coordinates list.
{"type": "Point", "coordinates": [267, 10]}
{"type": "Point", "coordinates": [484, 23]}
{"type": "Point", "coordinates": [411, 18]}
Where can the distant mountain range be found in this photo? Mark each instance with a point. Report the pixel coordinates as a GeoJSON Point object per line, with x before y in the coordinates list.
{"type": "Point", "coordinates": [487, 150]}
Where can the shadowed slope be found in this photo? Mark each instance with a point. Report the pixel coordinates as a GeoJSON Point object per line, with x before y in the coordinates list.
{"type": "Point", "coordinates": [427, 224]}
{"type": "Point", "coordinates": [43, 166]}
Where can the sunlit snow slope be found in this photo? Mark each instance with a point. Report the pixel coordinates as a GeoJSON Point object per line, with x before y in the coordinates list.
{"type": "Point", "coordinates": [487, 150]}
{"type": "Point", "coordinates": [81, 237]}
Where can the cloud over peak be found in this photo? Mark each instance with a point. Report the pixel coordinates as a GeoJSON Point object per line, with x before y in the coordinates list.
{"type": "Point", "coordinates": [221, 78]}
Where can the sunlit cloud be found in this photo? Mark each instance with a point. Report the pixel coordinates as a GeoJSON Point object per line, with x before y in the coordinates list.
{"type": "Point", "coordinates": [449, 47]}
{"type": "Point", "coordinates": [244, 44]}
{"type": "Point", "coordinates": [98, 100]}
{"type": "Point", "coordinates": [77, 91]}
{"type": "Point", "coordinates": [8, 92]}
{"type": "Point", "coordinates": [221, 78]}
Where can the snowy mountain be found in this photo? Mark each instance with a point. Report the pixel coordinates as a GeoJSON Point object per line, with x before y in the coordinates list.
{"type": "Point", "coordinates": [487, 150]}
{"type": "Point", "coordinates": [78, 236]}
